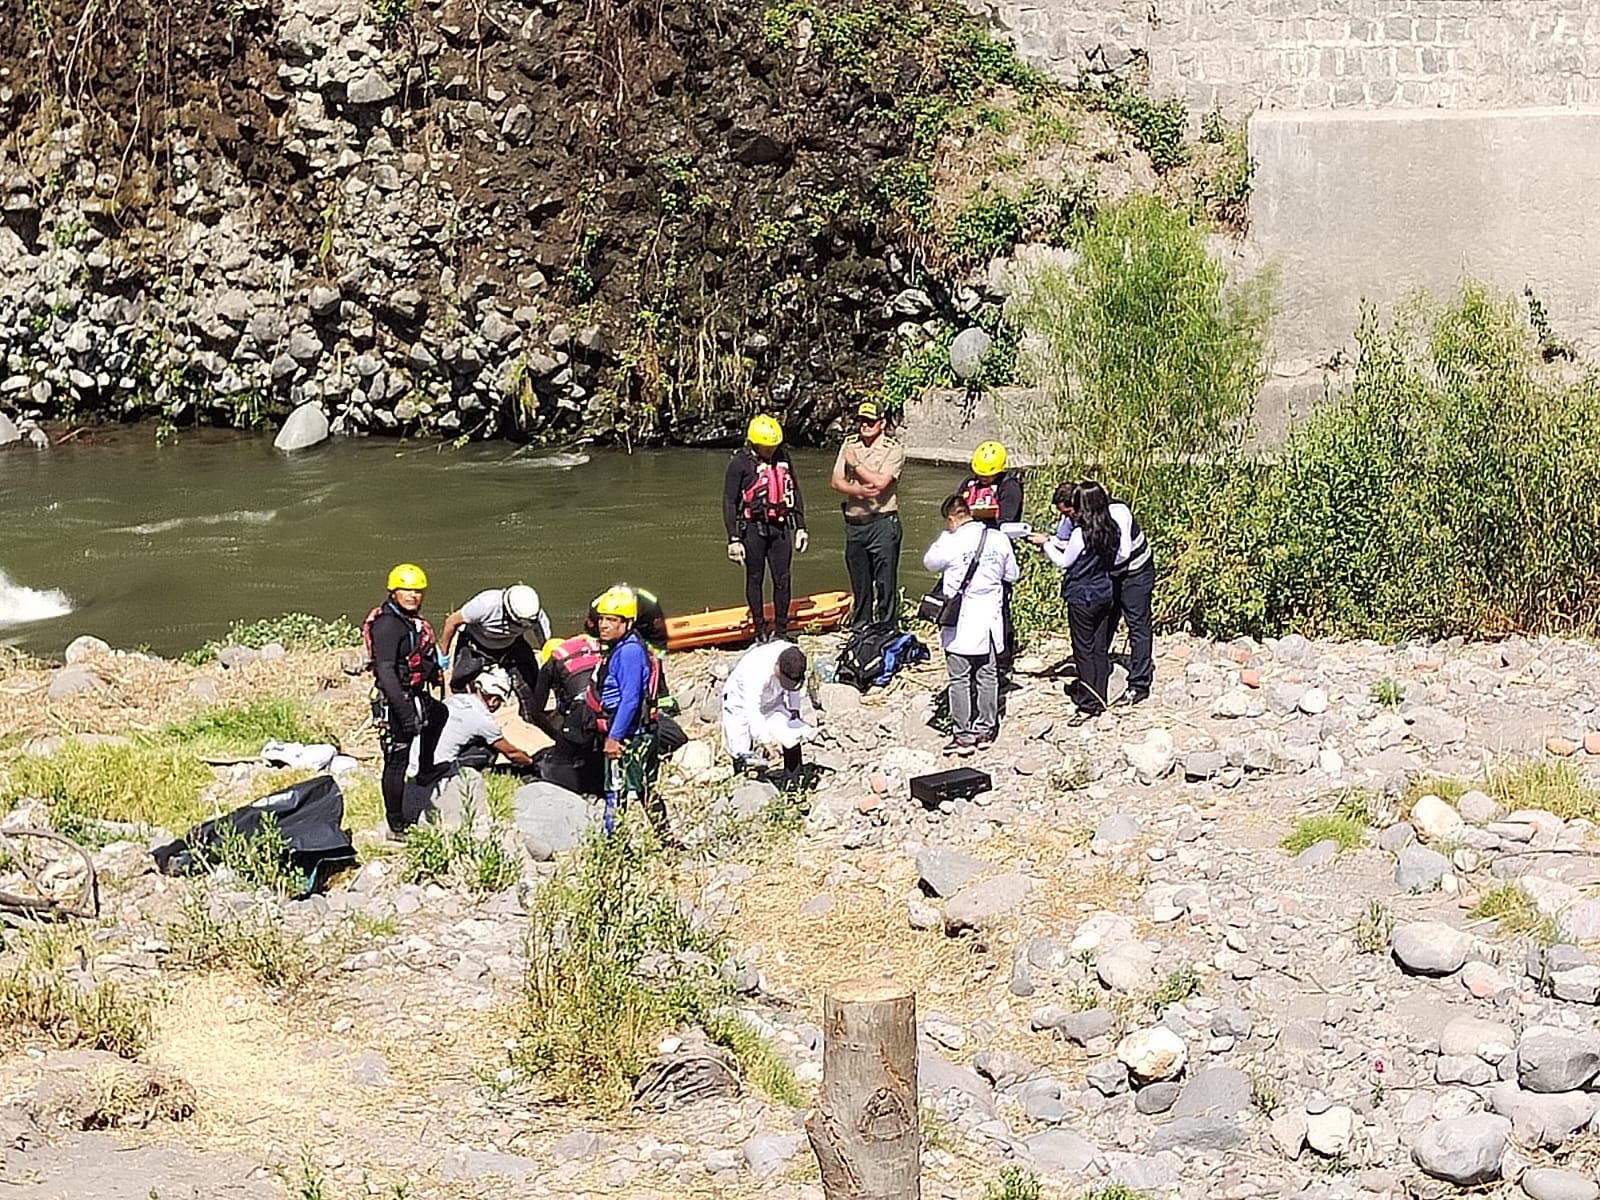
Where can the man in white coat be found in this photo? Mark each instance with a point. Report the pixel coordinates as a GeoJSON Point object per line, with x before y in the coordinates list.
{"type": "Point", "coordinates": [761, 705]}
{"type": "Point", "coordinates": [972, 645]}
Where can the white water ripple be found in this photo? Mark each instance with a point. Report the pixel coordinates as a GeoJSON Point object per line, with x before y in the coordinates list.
{"type": "Point", "coordinates": [20, 605]}
{"type": "Point", "coordinates": [242, 516]}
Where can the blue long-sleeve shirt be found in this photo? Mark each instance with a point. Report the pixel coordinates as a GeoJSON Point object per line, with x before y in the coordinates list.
{"type": "Point", "coordinates": [625, 693]}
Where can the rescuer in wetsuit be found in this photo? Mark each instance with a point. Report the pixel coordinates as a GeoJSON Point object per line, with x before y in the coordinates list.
{"type": "Point", "coordinates": [765, 519]}
{"type": "Point", "coordinates": [405, 669]}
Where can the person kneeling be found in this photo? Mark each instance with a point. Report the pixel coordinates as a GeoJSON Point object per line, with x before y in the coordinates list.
{"type": "Point", "coordinates": [761, 706]}
{"type": "Point", "coordinates": [471, 735]}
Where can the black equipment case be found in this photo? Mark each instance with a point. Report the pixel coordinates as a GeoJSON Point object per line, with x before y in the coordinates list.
{"type": "Point", "coordinates": [961, 784]}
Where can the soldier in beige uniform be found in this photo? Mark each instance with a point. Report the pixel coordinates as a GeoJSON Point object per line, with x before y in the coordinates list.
{"type": "Point", "coordinates": [866, 474]}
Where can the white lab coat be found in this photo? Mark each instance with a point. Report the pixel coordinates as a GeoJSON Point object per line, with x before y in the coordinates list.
{"type": "Point", "coordinates": [982, 625]}
{"type": "Point", "coordinates": [756, 708]}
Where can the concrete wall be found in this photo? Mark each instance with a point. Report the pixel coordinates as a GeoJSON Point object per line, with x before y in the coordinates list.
{"type": "Point", "coordinates": [1372, 206]}
{"type": "Point", "coordinates": [1240, 55]}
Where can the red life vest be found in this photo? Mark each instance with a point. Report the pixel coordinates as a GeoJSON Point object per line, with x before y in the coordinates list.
{"type": "Point", "coordinates": [649, 709]}
{"type": "Point", "coordinates": [575, 660]}
{"type": "Point", "coordinates": [419, 666]}
{"type": "Point", "coordinates": [982, 498]}
{"type": "Point", "coordinates": [771, 496]}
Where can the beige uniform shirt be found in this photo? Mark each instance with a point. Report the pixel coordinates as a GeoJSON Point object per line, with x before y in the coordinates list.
{"type": "Point", "coordinates": [885, 454]}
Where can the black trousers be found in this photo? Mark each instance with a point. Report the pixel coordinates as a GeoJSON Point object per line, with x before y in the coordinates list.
{"type": "Point", "coordinates": [767, 547]}
{"type": "Point", "coordinates": [1090, 627]}
{"type": "Point", "coordinates": [430, 719]}
{"type": "Point", "coordinates": [1131, 595]}
{"type": "Point", "coordinates": [1008, 652]}
{"type": "Point", "coordinates": [469, 658]}
{"type": "Point", "coordinates": [578, 768]}
{"type": "Point", "coordinates": [872, 557]}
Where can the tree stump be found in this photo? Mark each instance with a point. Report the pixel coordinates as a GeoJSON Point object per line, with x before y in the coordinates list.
{"type": "Point", "coordinates": [864, 1128]}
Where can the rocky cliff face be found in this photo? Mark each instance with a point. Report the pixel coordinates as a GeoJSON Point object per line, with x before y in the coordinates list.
{"type": "Point", "coordinates": [516, 218]}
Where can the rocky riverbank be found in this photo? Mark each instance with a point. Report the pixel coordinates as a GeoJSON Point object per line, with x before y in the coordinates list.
{"type": "Point", "coordinates": [1310, 922]}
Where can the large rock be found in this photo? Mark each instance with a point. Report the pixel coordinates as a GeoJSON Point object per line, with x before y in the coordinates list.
{"type": "Point", "coordinates": [1430, 948]}
{"type": "Point", "coordinates": [945, 872]}
{"type": "Point", "coordinates": [1542, 1118]}
{"type": "Point", "coordinates": [371, 88]}
{"type": "Point", "coordinates": [1435, 820]}
{"type": "Point", "coordinates": [73, 681]}
{"type": "Point", "coordinates": [1464, 1151]}
{"type": "Point", "coordinates": [1418, 869]}
{"type": "Point", "coordinates": [1126, 967]}
{"type": "Point", "coordinates": [1060, 1152]}
{"type": "Point", "coordinates": [549, 816]}
{"type": "Point", "coordinates": [1152, 1055]}
{"type": "Point", "coordinates": [1197, 1133]}
{"type": "Point", "coordinates": [986, 904]}
{"type": "Point", "coordinates": [1215, 1091]}
{"type": "Point", "coordinates": [967, 349]}
{"type": "Point", "coordinates": [463, 1162]}
{"type": "Point", "coordinates": [1153, 758]}
{"type": "Point", "coordinates": [85, 647]}
{"type": "Point", "coordinates": [1555, 1183]}
{"type": "Point", "coordinates": [766, 1154]}
{"type": "Point", "coordinates": [1488, 1040]}
{"type": "Point", "coordinates": [1331, 1131]}
{"type": "Point", "coordinates": [1550, 1060]}
{"type": "Point", "coordinates": [306, 426]}
{"type": "Point", "coordinates": [9, 432]}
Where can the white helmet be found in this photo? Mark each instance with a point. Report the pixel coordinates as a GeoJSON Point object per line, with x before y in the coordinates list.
{"type": "Point", "coordinates": [494, 682]}
{"type": "Point", "coordinates": [522, 604]}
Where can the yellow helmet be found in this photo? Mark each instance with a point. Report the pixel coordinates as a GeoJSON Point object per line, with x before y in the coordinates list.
{"type": "Point", "coordinates": [989, 459]}
{"type": "Point", "coordinates": [408, 576]}
{"type": "Point", "coordinates": [617, 602]}
{"type": "Point", "coordinates": [549, 648]}
{"type": "Point", "coordinates": [764, 431]}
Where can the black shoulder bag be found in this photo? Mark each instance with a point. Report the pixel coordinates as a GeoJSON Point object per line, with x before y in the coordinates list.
{"type": "Point", "coordinates": [945, 611]}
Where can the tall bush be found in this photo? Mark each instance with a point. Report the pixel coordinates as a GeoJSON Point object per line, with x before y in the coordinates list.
{"type": "Point", "coordinates": [1454, 488]}
{"type": "Point", "coordinates": [1148, 353]}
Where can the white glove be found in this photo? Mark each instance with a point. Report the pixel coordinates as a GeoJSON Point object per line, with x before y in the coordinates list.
{"type": "Point", "coordinates": [802, 539]}
{"type": "Point", "coordinates": [736, 552]}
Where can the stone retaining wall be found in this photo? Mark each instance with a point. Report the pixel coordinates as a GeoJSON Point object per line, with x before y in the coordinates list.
{"type": "Point", "coordinates": [1239, 55]}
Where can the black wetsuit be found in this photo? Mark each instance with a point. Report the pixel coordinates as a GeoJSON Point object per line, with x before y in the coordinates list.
{"type": "Point", "coordinates": [768, 544]}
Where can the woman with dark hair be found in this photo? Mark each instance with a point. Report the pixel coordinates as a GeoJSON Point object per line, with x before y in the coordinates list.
{"type": "Point", "coordinates": [1085, 545]}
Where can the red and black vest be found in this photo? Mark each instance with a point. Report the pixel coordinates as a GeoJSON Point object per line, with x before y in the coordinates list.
{"type": "Point", "coordinates": [418, 665]}
{"type": "Point", "coordinates": [575, 660]}
{"type": "Point", "coordinates": [770, 497]}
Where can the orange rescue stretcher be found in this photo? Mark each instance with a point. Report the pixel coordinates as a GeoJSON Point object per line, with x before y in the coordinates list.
{"type": "Point", "coordinates": [729, 626]}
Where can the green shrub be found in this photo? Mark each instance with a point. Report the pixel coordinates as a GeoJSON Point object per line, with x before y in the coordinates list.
{"type": "Point", "coordinates": [39, 993]}
{"type": "Point", "coordinates": [483, 865]}
{"type": "Point", "coordinates": [243, 730]}
{"type": "Point", "coordinates": [1452, 489]}
{"type": "Point", "coordinates": [1346, 830]}
{"type": "Point", "coordinates": [292, 631]}
{"type": "Point", "coordinates": [1015, 1183]}
{"type": "Point", "coordinates": [614, 962]}
{"type": "Point", "coordinates": [1157, 129]}
{"type": "Point", "coordinates": [148, 785]}
{"type": "Point", "coordinates": [1373, 928]}
{"type": "Point", "coordinates": [1146, 351]}
{"type": "Point", "coordinates": [210, 936]}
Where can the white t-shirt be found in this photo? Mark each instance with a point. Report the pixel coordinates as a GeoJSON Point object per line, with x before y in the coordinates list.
{"type": "Point", "coordinates": [491, 626]}
{"type": "Point", "coordinates": [469, 722]}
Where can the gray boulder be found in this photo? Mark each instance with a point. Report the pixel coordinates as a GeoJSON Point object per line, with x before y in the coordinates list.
{"type": "Point", "coordinates": [1555, 1183]}
{"type": "Point", "coordinates": [1215, 1091]}
{"type": "Point", "coordinates": [371, 88]}
{"type": "Point", "coordinates": [80, 648]}
{"type": "Point", "coordinates": [1551, 1061]}
{"type": "Point", "coordinates": [945, 872]}
{"type": "Point", "coordinates": [1060, 1152]}
{"type": "Point", "coordinates": [766, 1154]}
{"type": "Point", "coordinates": [1197, 1133]}
{"type": "Point", "coordinates": [967, 350]}
{"type": "Point", "coordinates": [73, 681]}
{"type": "Point", "coordinates": [1430, 948]}
{"type": "Point", "coordinates": [1542, 1118]}
{"type": "Point", "coordinates": [8, 431]}
{"type": "Point", "coordinates": [463, 1162]}
{"type": "Point", "coordinates": [1465, 1150]}
{"type": "Point", "coordinates": [984, 905]}
{"type": "Point", "coordinates": [1418, 869]}
{"type": "Point", "coordinates": [306, 426]}
{"type": "Point", "coordinates": [549, 816]}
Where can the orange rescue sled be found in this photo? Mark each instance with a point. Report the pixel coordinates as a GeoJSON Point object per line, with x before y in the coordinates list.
{"type": "Point", "coordinates": [727, 626]}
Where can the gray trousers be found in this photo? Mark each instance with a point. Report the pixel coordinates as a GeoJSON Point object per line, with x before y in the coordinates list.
{"type": "Point", "coordinates": [974, 684]}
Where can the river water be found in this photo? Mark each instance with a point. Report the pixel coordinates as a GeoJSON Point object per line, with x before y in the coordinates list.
{"type": "Point", "coordinates": [165, 546]}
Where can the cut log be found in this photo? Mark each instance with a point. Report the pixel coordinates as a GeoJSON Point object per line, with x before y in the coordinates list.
{"type": "Point", "coordinates": [864, 1129]}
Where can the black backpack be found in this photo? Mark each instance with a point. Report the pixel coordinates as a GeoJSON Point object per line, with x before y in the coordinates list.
{"type": "Point", "coordinates": [874, 653]}
{"type": "Point", "coordinates": [309, 817]}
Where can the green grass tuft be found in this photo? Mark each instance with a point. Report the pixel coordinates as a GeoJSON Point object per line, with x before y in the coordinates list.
{"type": "Point", "coordinates": [242, 731]}
{"type": "Point", "coordinates": [39, 993]}
{"type": "Point", "coordinates": [1348, 831]}
{"type": "Point", "coordinates": [147, 785]}
{"type": "Point", "coordinates": [1510, 906]}
{"type": "Point", "coordinates": [1554, 786]}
